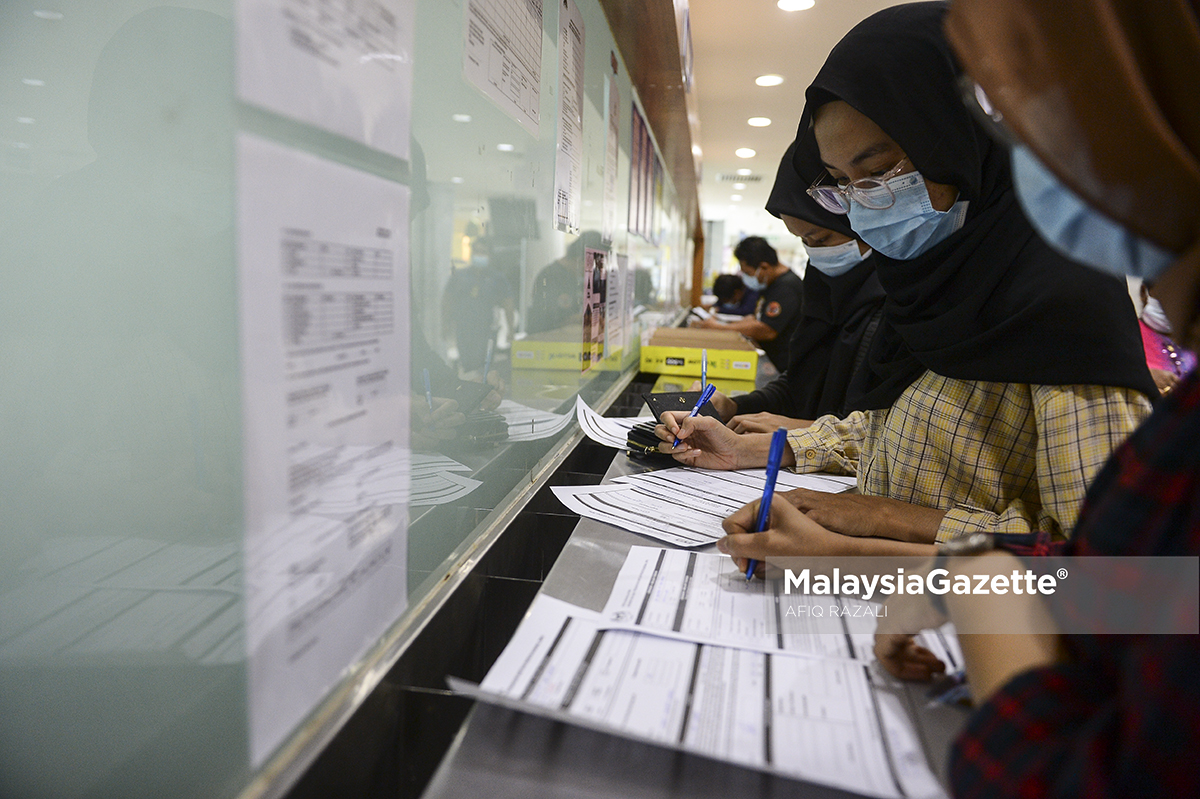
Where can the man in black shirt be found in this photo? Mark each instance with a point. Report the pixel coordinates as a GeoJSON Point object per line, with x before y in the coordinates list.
{"type": "Point", "coordinates": [778, 312]}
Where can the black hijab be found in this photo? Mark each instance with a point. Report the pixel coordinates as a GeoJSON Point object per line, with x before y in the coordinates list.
{"type": "Point", "coordinates": [826, 361]}
{"type": "Point", "coordinates": [992, 302]}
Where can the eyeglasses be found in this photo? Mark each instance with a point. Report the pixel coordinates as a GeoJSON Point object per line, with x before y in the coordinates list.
{"type": "Point", "coordinates": [870, 192]}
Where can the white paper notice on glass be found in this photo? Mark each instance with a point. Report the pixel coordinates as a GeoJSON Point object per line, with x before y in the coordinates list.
{"type": "Point", "coordinates": [323, 283]}
{"type": "Point", "coordinates": [502, 56]}
{"type": "Point", "coordinates": [568, 164]}
{"type": "Point", "coordinates": [612, 93]}
{"type": "Point", "coordinates": [808, 718]}
{"type": "Point", "coordinates": [343, 67]}
{"type": "Point", "coordinates": [618, 273]}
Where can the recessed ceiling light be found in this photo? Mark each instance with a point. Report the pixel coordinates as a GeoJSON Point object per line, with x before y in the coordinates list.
{"type": "Point", "coordinates": [461, 117]}
{"type": "Point", "coordinates": [743, 171]}
{"type": "Point", "coordinates": [505, 148]}
{"type": "Point", "coordinates": [769, 80]}
{"type": "Point", "coordinates": [796, 5]}
{"type": "Point", "coordinates": [456, 179]}
{"type": "Point", "coordinates": [33, 82]}
{"type": "Point", "coordinates": [696, 149]}
{"type": "Point", "coordinates": [739, 186]}
{"type": "Point", "coordinates": [25, 120]}
{"type": "Point", "coordinates": [744, 152]}
{"type": "Point", "coordinates": [758, 122]}
{"type": "Point", "coordinates": [47, 14]}
{"type": "Point", "coordinates": [736, 197]}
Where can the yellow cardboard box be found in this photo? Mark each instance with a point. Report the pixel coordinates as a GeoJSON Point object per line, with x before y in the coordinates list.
{"type": "Point", "coordinates": [677, 351]}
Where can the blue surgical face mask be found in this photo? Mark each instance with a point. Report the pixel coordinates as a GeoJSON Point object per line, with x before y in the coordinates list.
{"type": "Point", "coordinates": [911, 225]}
{"type": "Point", "coordinates": [836, 260]}
{"type": "Point", "coordinates": [752, 282]}
{"type": "Point", "coordinates": [1075, 229]}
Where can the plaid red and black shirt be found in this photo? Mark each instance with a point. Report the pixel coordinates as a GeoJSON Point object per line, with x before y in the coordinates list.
{"type": "Point", "coordinates": [1121, 718]}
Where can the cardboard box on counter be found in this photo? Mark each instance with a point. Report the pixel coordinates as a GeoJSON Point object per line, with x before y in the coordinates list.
{"type": "Point", "coordinates": [677, 351]}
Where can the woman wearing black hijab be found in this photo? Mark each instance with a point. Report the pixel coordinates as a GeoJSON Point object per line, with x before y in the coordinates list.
{"type": "Point", "coordinates": [1030, 365]}
{"type": "Point", "coordinates": [843, 306]}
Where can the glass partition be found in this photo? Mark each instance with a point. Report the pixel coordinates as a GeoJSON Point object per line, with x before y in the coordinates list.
{"type": "Point", "coordinates": [234, 312]}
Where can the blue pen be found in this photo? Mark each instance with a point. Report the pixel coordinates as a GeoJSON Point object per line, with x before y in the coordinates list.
{"type": "Point", "coordinates": [428, 389]}
{"type": "Point", "coordinates": [703, 369]}
{"type": "Point", "coordinates": [487, 361]}
{"type": "Point", "coordinates": [774, 459]}
{"type": "Point", "coordinates": [705, 396]}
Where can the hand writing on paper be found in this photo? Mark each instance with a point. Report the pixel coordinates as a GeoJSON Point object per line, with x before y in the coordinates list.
{"type": "Point", "coordinates": [789, 533]}
{"type": "Point", "coordinates": [866, 516]}
{"type": "Point", "coordinates": [431, 427]}
{"type": "Point", "coordinates": [494, 397]}
{"type": "Point", "coordinates": [706, 443]}
{"type": "Point", "coordinates": [764, 423]}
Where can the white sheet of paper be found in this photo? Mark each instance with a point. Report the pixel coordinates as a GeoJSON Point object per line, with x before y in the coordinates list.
{"type": "Point", "coordinates": [568, 164]}
{"type": "Point", "coordinates": [323, 290]}
{"type": "Point", "coordinates": [809, 718]}
{"type": "Point", "coordinates": [344, 67]}
{"type": "Point", "coordinates": [611, 432]}
{"type": "Point", "coordinates": [502, 56]}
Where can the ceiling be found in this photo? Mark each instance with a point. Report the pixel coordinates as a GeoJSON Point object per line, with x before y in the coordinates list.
{"type": "Point", "coordinates": [735, 41]}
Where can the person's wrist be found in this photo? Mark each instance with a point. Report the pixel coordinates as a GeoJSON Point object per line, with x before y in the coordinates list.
{"type": "Point", "coordinates": [951, 554]}
{"type": "Point", "coordinates": [753, 450]}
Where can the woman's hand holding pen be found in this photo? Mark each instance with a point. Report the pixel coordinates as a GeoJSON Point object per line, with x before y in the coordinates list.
{"type": "Point", "coordinates": [707, 444]}
{"type": "Point", "coordinates": [789, 533]}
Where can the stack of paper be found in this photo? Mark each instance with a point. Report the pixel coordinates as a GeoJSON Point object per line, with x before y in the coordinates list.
{"type": "Point", "coordinates": [611, 432]}
{"type": "Point", "coordinates": [529, 424]}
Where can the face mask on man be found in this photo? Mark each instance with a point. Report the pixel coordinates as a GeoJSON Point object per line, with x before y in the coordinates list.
{"type": "Point", "coordinates": [836, 260]}
{"type": "Point", "coordinates": [1078, 231]}
{"type": "Point", "coordinates": [752, 282]}
{"type": "Point", "coordinates": [911, 225]}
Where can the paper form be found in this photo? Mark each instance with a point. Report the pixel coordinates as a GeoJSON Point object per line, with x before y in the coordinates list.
{"type": "Point", "coordinates": [323, 293]}
{"type": "Point", "coordinates": [680, 505]}
{"type": "Point", "coordinates": [631, 509]}
{"type": "Point", "coordinates": [813, 719]}
{"type": "Point", "coordinates": [603, 430]}
{"type": "Point", "coordinates": [530, 424]}
{"type": "Point", "coordinates": [568, 163]}
{"type": "Point", "coordinates": [344, 67]}
{"type": "Point", "coordinates": [743, 485]}
{"type": "Point", "coordinates": [703, 597]}
{"type": "Point", "coordinates": [502, 56]}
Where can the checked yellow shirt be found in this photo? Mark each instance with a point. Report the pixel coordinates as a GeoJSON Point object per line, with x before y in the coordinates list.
{"type": "Point", "coordinates": [997, 457]}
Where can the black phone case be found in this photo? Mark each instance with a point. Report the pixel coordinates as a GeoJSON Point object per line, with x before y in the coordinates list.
{"type": "Point", "coordinates": [678, 401]}
{"type": "Point", "coordinates": [469, 394]}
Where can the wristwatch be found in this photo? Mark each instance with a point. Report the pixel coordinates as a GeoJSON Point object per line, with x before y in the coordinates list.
{"type": "Point", "coordinates": [973, 543]}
